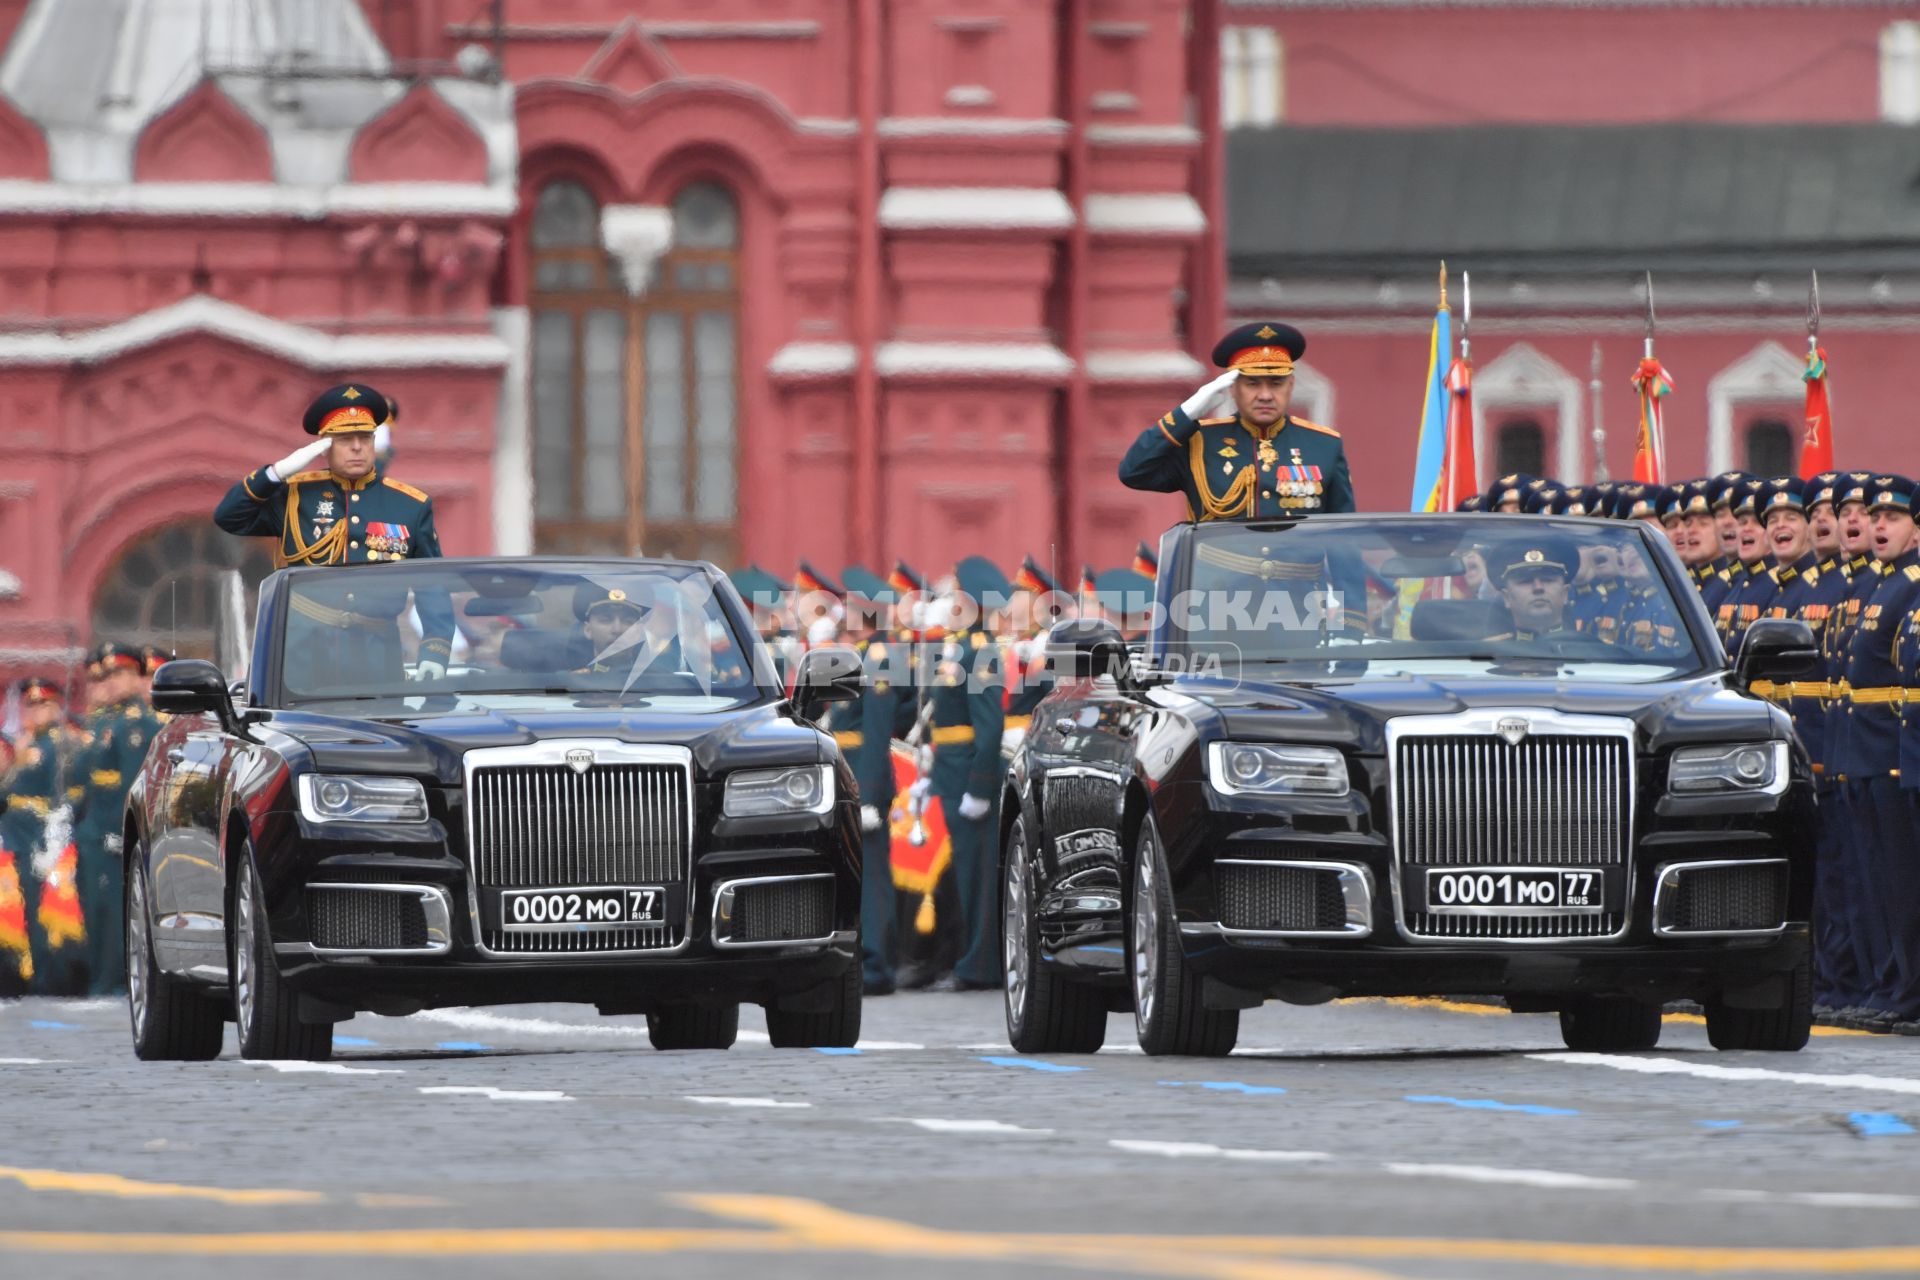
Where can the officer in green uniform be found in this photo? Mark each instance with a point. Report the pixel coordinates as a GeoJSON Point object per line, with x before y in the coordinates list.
{"type": "Point", "coordinates": [1257, 462]}
{"type": "Point", "coordinates": [118, 734]}
{"type": "Point", "coordinates": [35, 789]}
{"type": "Point", "coordinates": [1028, 679]}
{"type": "Point", "coordinates": [864, 730]}
{"type": "Point", "coordinates": [766, 596]}
{"type": "Point", "coordinates": [345, 512]}
{"type": "Point", "coordinates": [968, 717]}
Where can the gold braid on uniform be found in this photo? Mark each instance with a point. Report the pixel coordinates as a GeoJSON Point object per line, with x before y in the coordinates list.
{"type": "Point", "coordinates": [1238, 499]}
{"type": "Point", "coordinates": [1256, 566]}
{"type": "Point", "coordinates": [328, 548]}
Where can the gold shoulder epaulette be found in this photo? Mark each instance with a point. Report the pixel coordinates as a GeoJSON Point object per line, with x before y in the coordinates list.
{"type": "Point", "coordinates": [407, 489]}
{"type": "Point", "coordinates": [321, 474]}
{"type": "Point", "coordinates": [1314, 426]}
{"type": "Point", "coordinates": [1218, 422]}
{"type": "Point", "coordinates": [1913, 573]}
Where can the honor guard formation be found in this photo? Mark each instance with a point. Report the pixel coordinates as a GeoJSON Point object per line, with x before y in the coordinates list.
{"type": "Point", "coordinates": [1839, 553]}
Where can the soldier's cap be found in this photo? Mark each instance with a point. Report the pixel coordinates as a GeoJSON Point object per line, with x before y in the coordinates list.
{"type": "Point", "coordinates": [760, 589]}
{"type": "Point", "coordinates": [34, 689]}
{"type": "Point", "coordinates": [111, 656]}
{"type": "Point", "coordinates": [153, 657]}
{"type": "Point", "coordinates": [589, 596]}
{"type": "Point", "coordinates": [1821, 489]}
{"type": "Point", "coordinates": [1641, 502]}
{"type": "Point", "coordinates": [905, 580]}
{"type": "Point", "coordinates": [1472, 502]}
{"type": "Point", "coordinates": [1851, 487]}
{"type": "Point", "coordinates": [1670, 504]}
{"type": "Point", "coordinates": [1602, 489]}
{"type": "Point", "coordinates": [977, 576]}
{"type": "Point", "coordinates": [1570, 502]}
{"type": "Point", "coordinates": [1694, 498]}
{"type": "Point", "coordinates": [347, 408]}
{"type": "Point", "coordinates": [1540, 497]}
{"type": "Point", "coordinates": [866, 584]}
{"type": "Point", "coordinates": [1894, 493]}
{"type": "Point", "coordinates": [1123, 591]}
{"type": "Point", "coordinates": [1748, 495]}
{"type": "Point", "coordinates": [1625, 495]}
{"type": "Point", "coordinates": [1788, 493]}
{"type": "Point", "coordinates": [1545, 552]}
{"type": "Point", "coordinates": [1031, 577]}
{"type": "Point", "coordinates": [808, 579]}
{"type": "Point", "coordinates": [1725, 489]}
{"type": "Point", "coordinates": [1087, 580]}
{"type": "Point", "coordinates": [1508, 488]}
{"type": "Point", "coordinates": [1145, 560]}
{"type": "Point", "coordinates": [1263, 349]}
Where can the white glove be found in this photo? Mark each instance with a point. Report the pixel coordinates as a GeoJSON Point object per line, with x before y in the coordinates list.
{"type": "Point", "coordinates": [1196, 405]}
{"type": "Point", "coordinates": [920, 790]}
{"type": "Point", "coordinates": [297, 461]}
{"type": "Point", "coordinates": [973, 808]}
{"type": "Point", "coordinates": [427, 669]}
{"type": "Point", "coordinates": [869, 817]}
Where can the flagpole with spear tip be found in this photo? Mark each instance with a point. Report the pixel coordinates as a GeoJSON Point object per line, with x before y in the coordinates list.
{"type": "Point", "coordinates": [1599, 423]}
{"type": "Point", "coordinates": [1816, 446]}
{"type": "Point", "coordinates": [1653, 384]}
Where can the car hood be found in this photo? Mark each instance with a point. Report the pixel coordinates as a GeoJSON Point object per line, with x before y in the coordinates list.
{"type": "Point", "coordinates": [1354, 715]}
{"type": "Point", "coordinates": [435, 745]}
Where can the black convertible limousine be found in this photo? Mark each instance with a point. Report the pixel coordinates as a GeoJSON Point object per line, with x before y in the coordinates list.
{"type": "Point", "coordinates": [606, 798]}
{"type": "Point", "coordinates": [1389, 755]}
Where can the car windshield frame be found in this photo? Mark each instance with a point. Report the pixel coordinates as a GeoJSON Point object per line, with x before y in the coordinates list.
{"type": "Point", "coordinates": [619, 691]}
{"type": "Point", "coordinates": [1169, 651]}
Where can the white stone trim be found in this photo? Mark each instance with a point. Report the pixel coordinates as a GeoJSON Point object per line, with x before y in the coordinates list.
{"type": "Point", "coordinates": [968, 127]}
{"type": "Point", "coordinates": [1116, 100]}
{"type": "Point", "coordinates": [258, 199]}
{"type": "Point", "coordinates": [975, 208]}
{"type": "Point", "coordinates": [635, 235]}
{"type": "Point", "coordinates": [513, 497]}
{"type": "Point", "coordinates": [1900, 73]}
{"type": "Point", "coordinates": [297, 344]}
{"type": "Point", "coordinates": [828, 126]}
{"type": "Point", "coordinates": [1522, 378]}
{"type": "Point", "coordinates": [983, 359]}
{"type": "Point", "coordinates": [814, 360]}
{"type": "Point", "coordinates": [969, 95]}
{"type": "Point", "coordinates": [1768, 374]}
{"type": "Point", "coordinates": [1169, 213]}
{"type": "Point", "coordinates": [1144, 366]}
{"type": "Point", "coordinates": [1143, 135]}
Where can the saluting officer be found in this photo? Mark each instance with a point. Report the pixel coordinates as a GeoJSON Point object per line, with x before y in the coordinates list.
{"type": "Point", "coordinates": [1256, 462]}
{"type": "Point", "coordinates": [118, 735]}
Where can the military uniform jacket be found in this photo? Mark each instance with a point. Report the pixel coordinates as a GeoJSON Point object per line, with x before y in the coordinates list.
{"type": "Point", "coordinates": [1810, 592]}
{"type": "Point", "coordinates": [104, 770]}
{"type": "Point", "coordinates": [865, 727]}
{"type": "Point", "coordinates": [34, 788]}
{"type": "Point", "coordinates": [1873, 690]}
{"type": "Point", "coordinates": [1719, 580]}
{"type": "Point", "coordinates": [1835, 644]}
{"type": "Point", "coordinates": [968, 717]}
{"type": "Point", "coordinates": [1751, 594]}
{"type": "Point", "coordinates": [1648, 621]}
{"type": "Point", "coordinates": [1229, 470]}
{"type": "Point", "coordinates": [1907, 654]}
{"type": "Point", "coordinates": [318, 518]}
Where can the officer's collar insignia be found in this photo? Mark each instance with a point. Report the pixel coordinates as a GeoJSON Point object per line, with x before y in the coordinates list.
{"type": "Point", "coordinates": [1267, 331]}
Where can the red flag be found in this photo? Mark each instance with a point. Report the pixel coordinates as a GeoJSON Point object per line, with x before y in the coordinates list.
{"type": "Point", "coordinates": [1459, 480]}
{"type": "Point", "coordinates": [1816, 447]}
{"type": "Point", "coordinates": [1653, 384]}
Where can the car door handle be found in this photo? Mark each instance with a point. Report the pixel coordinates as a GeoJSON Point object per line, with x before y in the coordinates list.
{"type": "Point", "coordinates": [1065, 724]}
{"type": "Point", "coordinates": [176, 754]}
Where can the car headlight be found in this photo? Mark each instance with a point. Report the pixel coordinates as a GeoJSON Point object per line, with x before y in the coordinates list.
{"type": "Point", "coordinates": [763, 793]}
{"type": "Point", "coordinates": [1749, 768]}
{"type": "Point", "coordinates": [1268, 768]}
{"type": "Point", "coordinates": [339, 797]}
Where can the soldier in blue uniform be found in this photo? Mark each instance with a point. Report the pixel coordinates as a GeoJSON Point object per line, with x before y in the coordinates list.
{"type": "Point", "coordinates": [1753, 590]}
{"type": "Point", "coordinates": [1534, 573]}
{"type": "Point", "coordinates": [35, 788]}
{"type": "Point", "coordinates": [1696, 540]}
{"type": "Point", "coordinates": [345, 512]}
{"type": "Point", "coordinates": [118, 734]}
{"type": "Point", "coordinates": [1257, 462]}
{"type": "Point", "coordinates": [1908, 905]}
{"type": "Point", "coordinates": [1883, 845]}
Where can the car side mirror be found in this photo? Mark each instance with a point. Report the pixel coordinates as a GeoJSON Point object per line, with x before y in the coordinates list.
{"type": "Point", "coordinates": [827, 675]}
{"type": "Point", "coordinates": [1088, 647]}
{"type": "Point", "coordinates": [1775, 649]}
{"type": "Point", "coordinates": [190, 686]}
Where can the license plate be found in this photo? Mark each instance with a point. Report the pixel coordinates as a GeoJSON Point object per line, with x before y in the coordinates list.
{"type": "Point", "coordinates": [566, 910]}
{"type": "Point", "coordinates": [1505, 889]}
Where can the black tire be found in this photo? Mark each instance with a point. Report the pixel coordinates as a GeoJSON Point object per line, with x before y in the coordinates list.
{"type": "Point", "coordinates": [1046, 1013]}
{"type": "Point", "coordinates": [837, 1027]}
{"type": "Point", "coordinates": [265, 1012]}
{"type": "Point", "coordinates": [694, 1026]}
{"type": "Point", "coordinates": [171, 1021]}
{"type": "Point", "coordinates": [1169, 1016]}
{"type": "Point", "coordinates": [1610, 1024]}
{"type": "Point", "coordinates": [1782, 1029]}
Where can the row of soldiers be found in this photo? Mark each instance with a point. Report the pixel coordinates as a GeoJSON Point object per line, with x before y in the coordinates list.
{"type": "Point", "coordinates": [1840, 553]}
{"type": "Point", "coordinates": [955, 667]}
{"type": "Point", "coordinates": [64, 782]}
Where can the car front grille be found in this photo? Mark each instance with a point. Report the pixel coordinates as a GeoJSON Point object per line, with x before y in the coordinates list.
{"type": "Point", "coordinates": [784, 910]}
{"type": "Point", "coordinates": [355, 919]}
{"type": "Point", "coordinates": [1726, 897]}
{"type": "Point", "coordinates": [1278, 897]}
{"type": "Point", "coordinates": [550, 826]}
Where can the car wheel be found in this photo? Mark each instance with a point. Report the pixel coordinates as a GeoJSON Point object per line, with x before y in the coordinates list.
{"type": "Point", "coordinates": [1045, 1012]}
{"type": "Point", "coordinates": [1168, 1014]}
{"type": "Point", "coordinates": [1783, 1028]}
{"type": "Point", "coordinates": [1610, 1024]}
{"type": "Point", "coordinates": [172, 1022]}
{"type": "Point", "coordinates": [266, 1013]}
{"type": "Point", "coordinates": [694, 1026]}
{"type": "Point", "coordinates": [836, 1027]}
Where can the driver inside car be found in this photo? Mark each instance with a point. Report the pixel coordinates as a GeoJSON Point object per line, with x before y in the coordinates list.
{"type": "Point", "coordinates": [1534, 577]}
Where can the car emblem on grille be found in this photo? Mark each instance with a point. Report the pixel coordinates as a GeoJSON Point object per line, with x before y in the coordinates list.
{"type": "Point", "coordinates": [1512, 728]}
{"type": "Point", "coordinates": [580, 759]}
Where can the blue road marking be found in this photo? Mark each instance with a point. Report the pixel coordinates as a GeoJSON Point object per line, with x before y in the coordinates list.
{"type": "Point", "coordinates": [1877, 1124]}
{"type": "Point", "coordinates": [462, 1046]}
{"type": "Point", "coordinates": [1031, 1064]}
{"type": "Point", "coordinates": [1489, 1104]}
{"type": "Point", "coordinates": [837, 1053]}
{"type": "Point", "coordinates": [44, 1025]}
{"type": "Point", "coordinates": [353, 1042]}
{"type": "Point", "coordinates": [1226, 1086]}
{"type": "Point", "coordinates": [1718, 1124]}
{"type": "Point", "coordinates": [1110, 951]}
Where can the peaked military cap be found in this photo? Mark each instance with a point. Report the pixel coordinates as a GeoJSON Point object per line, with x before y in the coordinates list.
{"type": "Point", "coordinates": [1625, 495]}
{"type": "Point", "coordinates": [1851, 487]}
{"type": "Point", "coordinates": [1749, 494]}
{"type": "Point", "coordinates": [808, 579]}
{"type": "Point", "coordinates": [111, 656]}
{"type": "Point", "coordinates": [1672, 502]}
{"type": "Point", "coordinates": [1263, 349]}
{"type": "Point", "coordinates": [1726, 489]}
{"type": "Point", "coordinates": [1788, 493]}
{"type": "Point", "coordinates": [1123, 591]}
{"type": "Point", "coordinates": [904, 579]}
{"type": "Point", "coordinates": [153, 657]}
{"type": "Point", "coordinates": [1695, 498]}
{"type": "Point", "coordinates": [865, 583]}
{"type": "Point", "coordinates": [1031, 577]}
{"type": "Point", "coordinates": [979, 578]}
{"type": "Point", "coordinates": [1540, 497]}
{"type": "Point", "coordinates": [589, 596]}
{"type": "Point", "coordinates": [349, 407]}
{"type": "Point", "coordinates": [1821, 488]}
{"type": "Point", "coordinates": [758, 587]}
{"type": "Point", "coordinates": [1547, 551]}
{"type": "Point", "coordinates": [34, 689]}
{"type": "Point", "coordinates": [1892, 492]}
{"type": "Point", "coordinates": [1472, 502]}
{"type": "Point", "coordinates": [1146, 560]}
{"type": "Point", "coordinates": [1508, 488]}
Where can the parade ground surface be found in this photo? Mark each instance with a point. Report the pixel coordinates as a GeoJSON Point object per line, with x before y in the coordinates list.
{"type": "Point", "coordinates": [1371, 1138]}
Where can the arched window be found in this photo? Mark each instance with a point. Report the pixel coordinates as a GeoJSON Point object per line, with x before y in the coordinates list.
{"type": "Point", "coordinates": [635, 399]}
{"type": "Point", "coordinates": [1770, 447]}
{"type": "Point", "coordinates": [1521, 445]}
{"type": "Point", "coordinates": [172, 589]}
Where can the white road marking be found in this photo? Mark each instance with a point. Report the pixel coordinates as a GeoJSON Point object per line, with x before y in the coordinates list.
{"type": "Point", "coordinates": [969, 1126]}
{"type": "Point", "coordinates": [90, 1004]}
{"type": "Point", "coordinates": [30, 1062]}
{"type": "Point", "coordinates": [1513, 1177]}
{"type": "Point", "coordinates": [711, 1100]}
{"type": "Point", "coordinates": [480, 1020]}
{"type": "Point", "coordinates": [1819, 1199]}
{"type": "Point", "coordinates": [1708, 1071]}
{"type": "Point", "coordinates": [888, 1046]}
{"type": "Point", "coordinates": [320, 1068]}
{"type": "Point", "coordinates": [1183, 1150]}
{"type": "Point", "coordinates": [498, 1095]}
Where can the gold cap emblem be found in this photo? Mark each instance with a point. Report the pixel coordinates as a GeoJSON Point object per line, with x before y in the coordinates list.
{"type": "Point", "coordinates": [1267, 331]}
{"type": "Point", "coordinates": [616, 595]}
{"type": "Point", "coordinates": [351, 393]}
{"type": "Point", "coordinates": [1535, 557]}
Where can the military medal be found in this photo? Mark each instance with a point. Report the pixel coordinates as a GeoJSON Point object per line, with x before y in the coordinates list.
{"type": "Point", "coordinates": [1268, 455]}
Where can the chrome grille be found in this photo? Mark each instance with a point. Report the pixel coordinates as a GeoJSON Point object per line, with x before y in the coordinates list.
{"type": "Point", "coordinates": [1278, 897]}
{"type": "Point", "coordinates": [1549, 801]}
{"type": "Point", "coordinates": [1726, 897]}
{"type": "Point", "coordinates": [348, 918]}
{"type": "Point", "coordinates": [1602, 925]}
{"type": "Point", "coordinates": [780, 910]}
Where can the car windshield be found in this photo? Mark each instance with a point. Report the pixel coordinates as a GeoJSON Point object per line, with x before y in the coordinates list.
{"type": "Point", "coordinates": [447, 636]}
{"type": "Point", "coordinates": [1424, 595]}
